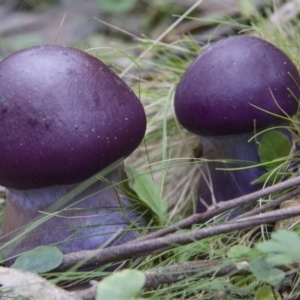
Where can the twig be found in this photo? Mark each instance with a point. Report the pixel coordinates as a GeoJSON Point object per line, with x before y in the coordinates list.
{"type": "Point", "coordinates": [172, 274]}
{"type": "Point", "coordinates": [220, 208]}
{"type": "Point", "coordinates": [270, 217]}
{"type": "Point", "coordinates": [140, 248]}
{"type": "Point", "coordinates": [269, 205]}
{"type": "Point", "coordinates": [177, 272]}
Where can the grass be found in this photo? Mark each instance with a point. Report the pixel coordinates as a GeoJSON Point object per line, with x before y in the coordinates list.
{"type": "Point", "coordinates": [166, 156]}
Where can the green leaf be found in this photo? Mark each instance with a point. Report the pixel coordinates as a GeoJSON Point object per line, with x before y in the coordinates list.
{"type": "Point", "coordinates": [283, 247]}
{"type": "Point", "coordinates": [262, 270]}
{"type": "Point", "coordinates": [148, 192]}
{"type": "Point", "coordinates": [267, 293]}
{"type": "Point", "coordinates": [238, 251]}
{"type": "Point", "coordinates": [273, 146]}
{"type": "Point", "coordinates": [123, 285]}
{"type": "Point", "coordinates": [116, 6]}
{"type": "Point", "coordinates": [39, 260]}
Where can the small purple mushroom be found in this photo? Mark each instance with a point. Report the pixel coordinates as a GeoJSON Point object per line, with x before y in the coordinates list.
{"type": "Point", "coordinates": [65, 116]}
{"type": "Point", "coordinates": [224, 97]}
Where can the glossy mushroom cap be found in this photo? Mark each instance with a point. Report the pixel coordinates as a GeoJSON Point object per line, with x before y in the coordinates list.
{"type": "Point", "coordinates": [64, 116]}
{"type": "Point", "coordinates": [217, 94]}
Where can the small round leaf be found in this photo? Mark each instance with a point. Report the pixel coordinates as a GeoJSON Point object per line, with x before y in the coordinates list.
{"type": "Point", "coordinates": [124, 285]}
{"type": "Point", "coordinates": [39, 260]}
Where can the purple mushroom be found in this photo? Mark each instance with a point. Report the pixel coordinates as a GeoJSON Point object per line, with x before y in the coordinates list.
{"type": "Point", "coordinates": [65, 116]}
{"type": "Point", "coordinates": [234, 89]}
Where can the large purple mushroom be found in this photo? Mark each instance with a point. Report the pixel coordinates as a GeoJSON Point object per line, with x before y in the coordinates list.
{"type": "Point", "coordinates": [234, 89]}
{"type": "Point", "coordinates": [65, 116]}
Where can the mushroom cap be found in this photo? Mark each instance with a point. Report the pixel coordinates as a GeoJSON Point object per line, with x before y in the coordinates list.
{"type": "Point", "coordinates": [64, 116]}
{"type": "Point", "coordinates": [218, 92]}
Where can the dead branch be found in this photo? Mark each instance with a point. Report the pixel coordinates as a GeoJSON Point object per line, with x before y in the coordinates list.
{"type": "Point", "coordinates": [174, 273]}
{"type": "Point", "coordinates": [222, 207]}
{"type": "Point", "coordinates": [271, 204]}
{"type": "Point", "coordinates": [141, 248]}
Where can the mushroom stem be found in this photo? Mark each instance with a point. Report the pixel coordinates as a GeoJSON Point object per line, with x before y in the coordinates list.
{"type": "Point", "coordinates": [229, 151]}
{"type": "Point", "coordinates": [89, 220]}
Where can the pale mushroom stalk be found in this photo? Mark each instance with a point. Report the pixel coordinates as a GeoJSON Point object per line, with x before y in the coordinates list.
{"type": "Point", "coordinates": [69, 217]}
{"type": "Point", "coordinates": [218, 184]}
